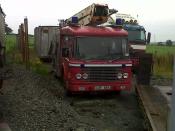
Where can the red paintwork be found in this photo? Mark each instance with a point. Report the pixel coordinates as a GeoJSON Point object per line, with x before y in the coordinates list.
{"type": "Point", "coordinates": [72, 84]}
{"type": "Point", "coordinates": [74, 61]}
{"type": "Point", "coordinates": [135, 61]}
{"type": "Point", "coordinates": [94, 31]}
{"type": "Point", "coordinates": [90, 87]}
{"type": "Point", "coordinates": [135, 54]}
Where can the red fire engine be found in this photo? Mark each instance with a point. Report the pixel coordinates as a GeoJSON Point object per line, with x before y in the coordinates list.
{"type": "Point", "coordinates": [92, 58]}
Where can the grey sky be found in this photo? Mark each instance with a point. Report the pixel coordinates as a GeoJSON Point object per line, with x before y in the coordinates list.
{"type": "Point", "coordinates": [157, 16]}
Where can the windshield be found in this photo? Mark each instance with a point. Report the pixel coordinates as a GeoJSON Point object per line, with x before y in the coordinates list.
{"type": "Point", "coordinates": [136, 35]}
{"type": "Point", "coordinates": [101, 48]}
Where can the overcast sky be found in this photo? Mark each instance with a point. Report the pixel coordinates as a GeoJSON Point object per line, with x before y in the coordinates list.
{"type": "Point", "coordinates": [157, 16]}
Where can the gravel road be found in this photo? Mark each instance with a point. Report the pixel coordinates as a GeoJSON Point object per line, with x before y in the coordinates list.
{"type": "Point", "coordinates": [32, 102]}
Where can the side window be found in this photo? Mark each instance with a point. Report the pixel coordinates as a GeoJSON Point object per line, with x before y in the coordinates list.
{"type": "Point", "coordinates": [64, 41]}
{"type": "Point", "coordinates": [68, 45]}
{"type": "Point", "coordinates": [72, 45]}
{"type": "Point", "coordinates": [65, 48]}
{"type": "Point", "coordinates": [125, 47]}
{"type": "Point", "coordinates": [142, 35]}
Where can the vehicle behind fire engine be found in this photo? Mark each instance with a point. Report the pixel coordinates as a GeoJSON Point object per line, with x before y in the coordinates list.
{"type": "Point", "coordinates": [142, 61]}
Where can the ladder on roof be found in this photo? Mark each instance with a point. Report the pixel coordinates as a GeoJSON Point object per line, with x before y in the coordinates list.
{"type": "Point", "coordinates": [94, 14]}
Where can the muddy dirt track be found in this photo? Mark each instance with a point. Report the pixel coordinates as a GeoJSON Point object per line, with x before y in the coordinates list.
{"type": "Point", "coordinates": [32, 102]}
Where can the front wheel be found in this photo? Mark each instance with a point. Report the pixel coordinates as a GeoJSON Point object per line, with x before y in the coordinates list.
{"type": "Point", "coordinates": [66, 87]}
{"type": "Point", "coordinates": [118, 92]}
{"type": "Point", "coordinates": [69, 93]}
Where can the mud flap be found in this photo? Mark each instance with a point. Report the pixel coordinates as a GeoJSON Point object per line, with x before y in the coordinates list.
{"type": "Point", "coordinates": [145, 69]}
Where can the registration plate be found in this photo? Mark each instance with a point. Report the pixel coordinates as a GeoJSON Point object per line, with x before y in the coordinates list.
{"type": "Point", "coordinates": [102, 87]}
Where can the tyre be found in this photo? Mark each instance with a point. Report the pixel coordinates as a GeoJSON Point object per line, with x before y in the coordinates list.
{"type": "Point", "coordinates": [69, 93]}
{"type": "Point", "coordinates": [118, 92]}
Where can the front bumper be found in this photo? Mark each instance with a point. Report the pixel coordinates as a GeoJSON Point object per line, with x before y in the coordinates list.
{"type": "Point", "coordinates": [97, 87]}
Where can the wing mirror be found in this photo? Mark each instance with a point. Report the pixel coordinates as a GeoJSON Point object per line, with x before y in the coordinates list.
{"type": "Point", "coordinates": [148, 38]}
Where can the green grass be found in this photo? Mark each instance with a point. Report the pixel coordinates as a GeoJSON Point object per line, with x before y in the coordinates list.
{"type": "Point", "coordinates": [11, 42]}
{"type": "Point", "coordinates": [160, 50]}
{"type": "Point", "coordinates": [14, 55]}
{"type": "Point", "coordinates": [37, 65]}
{"type": "Point", "coordinates": [163, 60]}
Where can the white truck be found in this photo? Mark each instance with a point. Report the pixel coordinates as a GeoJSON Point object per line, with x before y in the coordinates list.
{"type": "Point", "coordinates": [127, 18]}
{"type": "Point", "coordinates": [142, 61]}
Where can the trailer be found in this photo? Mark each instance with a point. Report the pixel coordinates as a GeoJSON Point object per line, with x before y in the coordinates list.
{"type": "Point", "coordinates": [43, 39]}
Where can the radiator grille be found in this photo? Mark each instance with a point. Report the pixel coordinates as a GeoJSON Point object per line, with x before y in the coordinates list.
{"type": "Point", "coordinates": [101, 74]}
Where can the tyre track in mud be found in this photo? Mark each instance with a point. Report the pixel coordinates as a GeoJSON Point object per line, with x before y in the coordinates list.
{"type": "Point", "coordinates": [109, 111]}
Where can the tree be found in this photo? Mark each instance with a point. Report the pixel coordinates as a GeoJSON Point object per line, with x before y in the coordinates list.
{"type": "Point", "coordinates": [169, 43]}
{"type": "Point", "coordinates": [8, 30]}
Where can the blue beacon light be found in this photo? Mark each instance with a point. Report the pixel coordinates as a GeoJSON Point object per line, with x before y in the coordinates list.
{"type": "Point", "coordinates": [119, 22]}
{"type": "Point", "coordinates": [74, 20]}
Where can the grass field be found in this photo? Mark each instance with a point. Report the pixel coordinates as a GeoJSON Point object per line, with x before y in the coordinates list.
{"type": "Point", "coordinates": [11, 41]}
{"type": "Point", "coordinates": [163, 59]}
{"type": "Point", "coordinates": [160, 50]}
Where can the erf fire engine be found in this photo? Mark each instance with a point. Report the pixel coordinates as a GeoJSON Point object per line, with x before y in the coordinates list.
{"type": "Point", "coordinates": [90, 57]}
{"type": "Point", "coordinates": [142, 61]}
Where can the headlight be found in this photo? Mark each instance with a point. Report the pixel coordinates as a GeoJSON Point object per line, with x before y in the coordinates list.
{"type": "Point", "coordinates": [119, 75]}
{"type": "Point", "coordinates": [85, 76]}
{"type": "Point", "coordinates": [125, 75]}
{"type": "Point", "coordinates": [78, 76]}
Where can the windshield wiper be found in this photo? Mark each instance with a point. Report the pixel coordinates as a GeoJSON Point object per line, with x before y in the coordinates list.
{"type": "Point", "coordinates": [115, 58]}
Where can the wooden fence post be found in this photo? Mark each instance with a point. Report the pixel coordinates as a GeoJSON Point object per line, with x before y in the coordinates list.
{"type": "Point", "coordinates": [26, 44]}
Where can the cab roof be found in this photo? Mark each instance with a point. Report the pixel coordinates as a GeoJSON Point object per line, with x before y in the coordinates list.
{"type": "Point", "coordinates": [133, 27]}
{"type": "Point", "coordinates": [93, 31]}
